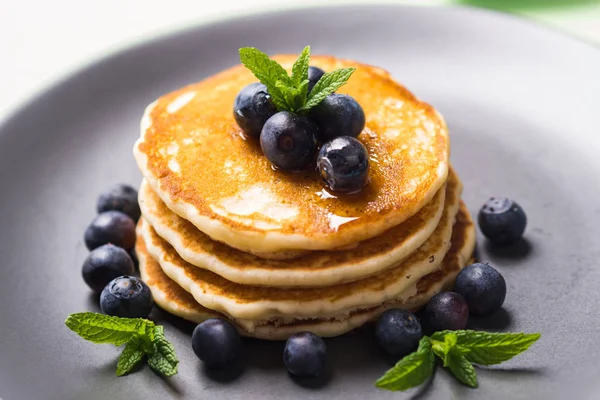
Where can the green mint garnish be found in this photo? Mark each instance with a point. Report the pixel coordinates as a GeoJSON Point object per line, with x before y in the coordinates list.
{"type": "Point", "coordinates": [130, 357]}
{"type": "Point", "coordinates": [411, 371]}
{"type": "Point", "coordinates": [290, 93]}
{"type": "Point", "coordinates": [141, 337]}
{"type": "Point", "coordinates": [163, 360]}
{"type": "Point", "coordinates": [458, 350]}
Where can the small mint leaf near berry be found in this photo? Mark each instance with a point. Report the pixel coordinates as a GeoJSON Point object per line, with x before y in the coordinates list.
{"type": "Point", "coordinates": [130, 357]}
{"type": "Point", "coordinates": [483, 287]}
{"type": "Point", "coordinates": [252, 108]}
{"type": "Point", "coordinates": [104, 264]}
{"type": "Point", "coordinates": [411, 371]}
{"type": "Point", "coordinates": [489, 348]}
{"type": "Point", "coordinates": [398, 332]}
{"type": "Point", "coordinates": [216, 342]}
{"type": "Point", "coordinates": [338, 115]}
{"type": "Point", "coordinates": [458, 350]}
{"type": "Point", "coordinates": [446, 311]}
{"type": "Point", "coordinates": [329, 83]}
{"type": "Point", "coordinates": [461, 368]}
{"type": "Point", "coordinates": [141, 337]}
{"type": "Point", "coordinates": [110, 227]}
{"type": "Point", "coordinates": [314, 74]}
{"type": "Point", "coordinates": [343, 164]}
{"type": "Point", "coordinates": [300, 69]}
{"type": "Point", "coordinates": [120, 197]}
{"type": "Point", "coordinates": [305, 355]}
{"type": "Point", "coordinates": [163, 360]}
{"type": "Point", "coordinates": [98, 328]}
{"type": "Point", "coordinates": [502, 221]}
{"type": "Point", "coordinates": [292, 93]}
{"type": "Point", "coordinates": [126, 296]}
{"type": "Point", "coordinates": [289, 141]}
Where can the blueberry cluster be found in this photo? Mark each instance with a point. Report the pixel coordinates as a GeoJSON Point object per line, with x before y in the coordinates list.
{"type": "Point", "coordinates": [110, 266]}
{"type": "Point", "coordinates": [291, 141]}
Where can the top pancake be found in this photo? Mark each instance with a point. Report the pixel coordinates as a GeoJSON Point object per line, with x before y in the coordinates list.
{"type": "Point", "coordinates": [200, 164]}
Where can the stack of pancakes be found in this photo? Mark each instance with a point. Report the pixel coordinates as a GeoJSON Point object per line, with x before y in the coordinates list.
{"type": "Point", "coordinates": [225, 235]}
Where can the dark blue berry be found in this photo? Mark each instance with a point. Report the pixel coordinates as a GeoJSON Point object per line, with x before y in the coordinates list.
{"type": "Point", "coordinates": [305, 354]}
{"type": "Point", "coordinates": [446, 310]}
{"type": "Point", "coordinates": [344, 164]}
{"type": "Point", "coordinates": [111, 227]}
{"type": "Point", "coordinates": [216, 342]}
{"type": "Point", "coordinates": [502, 220]}
{"type": "Point", "coordinates": [122, 198]}
{"type": "Point", "coordinates": [314, 74]}
{"type": "Point", "coordinates": [289, 141]}
{"type": "Point", "coordinates": [398, 332]}
{"type": "Point", "coordinates": [252, 108]}
{"type": "Point", "coordinates": [483, 287]}
{"type": "Point", "coordinates": [338, 115]}
{"type": "Point", "coordinates": [104, 264]}
{"type": "Point", "coordinates": [126, 296]}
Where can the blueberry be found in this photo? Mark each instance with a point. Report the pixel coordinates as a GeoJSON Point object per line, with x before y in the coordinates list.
{"type": "Point", "coordinates": [126, 296]}
{"type": "Point", "coordinates": [216, 342]}
{"type": "Point", "coordinates": [252, 108]}
{"type": "Point", "coordinates": [111, 227]}
{"type": "Point", "coordinates": [446, 310]}
{"type": "Point", "coordinates": [104, 264]}
{"type": "Point", "coordinates": [483, 287]}
{"type": "Point", "coordinates": [338, 115]}
{"type": "Point", "coordinates": [314, 74]}
{"type": "Point", "coordinates": [304, 355]}
{"type": "Point", "coordinates": [502, 220]}
{"type": "Point", "coordinates": [122, 198]}
{"type": "Point", "coordinates": [289, 141]}
{"type": "Point", "coordinates": [398, 332]}
{"type": "Point", "coordinates": [344, 164]}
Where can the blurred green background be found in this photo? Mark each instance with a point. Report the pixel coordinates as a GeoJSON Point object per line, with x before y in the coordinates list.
{"type": "Point", "coordinates": [579, 17]}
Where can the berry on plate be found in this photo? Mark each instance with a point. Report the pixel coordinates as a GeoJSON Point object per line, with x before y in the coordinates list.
{"type": "Point", "coordinates": [252, 108]}
{"type": "Point", "coordinates": [446, 311]}
{"type": "Point", "coordinates": [110, 227]}
{"type": "Point", "coordinates": [120, 197]}
{"type": "Point", "coordinates": [216, 342]}
{"type": "Point", "coordinates": [482, 286]}
{"type": "Point", "coordinates": [126, 296]}
{"type": "Point", "coordinates": [502, 220]}
{"type": "Point", "coordinates": [398, 332]}
{"type": "Point", "coordinates": [305, 354]}
{"type": "Point", "coordinates": [289, 141]}
{"type": "Point", "coordinates": [344, 164]}
{"type": "Point", "coordinates": [104, 264]}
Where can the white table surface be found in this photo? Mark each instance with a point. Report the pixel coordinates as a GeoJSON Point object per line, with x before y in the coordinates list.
{"type": "Point", "coordinates": [44, 40]}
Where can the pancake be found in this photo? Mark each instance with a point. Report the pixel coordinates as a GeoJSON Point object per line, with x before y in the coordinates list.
{"type": "Point", "coordinates": [174, 299]}
{"type": "Point", "coordinates": [254, 302]}
{"type": "Point", "coordinates": [318, 268]}
{"type": "Point", "coordinates": [197, 160]}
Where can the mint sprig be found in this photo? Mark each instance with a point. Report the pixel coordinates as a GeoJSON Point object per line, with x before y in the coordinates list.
{"type": "Point", "coordinates": [290, 93]}
{"type": "Point", "coordinates": [458, 350]}
{"type": "Point", "coordinates": [141, 337]}
{"type": "Point", "coordinates": [411, 371]}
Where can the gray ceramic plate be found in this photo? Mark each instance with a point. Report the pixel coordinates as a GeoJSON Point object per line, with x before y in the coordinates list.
{"type": "Point", "coordinates": [522, 103]}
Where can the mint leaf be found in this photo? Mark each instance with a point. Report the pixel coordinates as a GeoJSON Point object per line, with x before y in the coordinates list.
{"type": "Point", "coordinates": [329, 83]}
{"type": "Point", "coordinates": [100, 328]}
{"type": "Point", "coordinates": [411, 371]}
{"type": "Point", "coordinates": [461, 368]}
{"type": "Point", "coordinates": [163, 360]}
{"type": "Point", "coordinates": [130, 357]}
{"type": "Point", "coordinates": [268, 72]}
{"type": "Point", "coordinates": [300, 68]}
{"type": "Point", "coordinates": [486, 348]}
{"type": "Point", "coordinates": [442, 349]}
